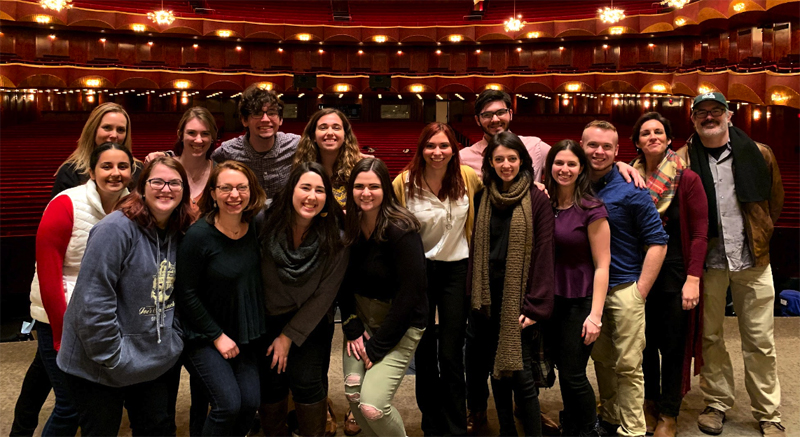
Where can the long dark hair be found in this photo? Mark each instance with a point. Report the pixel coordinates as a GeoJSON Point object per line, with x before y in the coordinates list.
{"type": "Point", "coordinates": [390, 213]}
{"type": "Point", "coordinates": [135, 208]}
{"type": "Point", "coordinates": [511, 141]}
{"type": "Point", "coordinates": [257, 195]}
{"type": "Point", "coordinates": [582, 197]}
{"type": "Point", "coordinates": [453, 185]}
{"type": "Point", "coordinates": [281, 214]}
{"type": "Point", "coordinates": [637, 128]}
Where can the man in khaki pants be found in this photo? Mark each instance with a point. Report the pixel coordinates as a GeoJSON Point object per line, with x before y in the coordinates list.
{"type": "Point", "coordinates": [745, 196]}
{"type": "Point", "coordinates": [635, 225]}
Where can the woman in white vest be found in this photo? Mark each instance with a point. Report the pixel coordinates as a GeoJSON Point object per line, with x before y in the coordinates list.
{"type": "Point", "coordinates": [60, 243]}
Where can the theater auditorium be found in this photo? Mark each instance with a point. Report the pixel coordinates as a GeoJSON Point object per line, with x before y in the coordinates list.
{"type": "Point", "coordinates": [392, 67]}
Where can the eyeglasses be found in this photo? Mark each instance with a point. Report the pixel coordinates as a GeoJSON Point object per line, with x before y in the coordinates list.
{"type": "Point", "coordinates": [227, 189]}
{"type": "Point", "coordinates": [702, 113]}
{"type": "Point", "coordinates": [272, 113]}
{"type": "Point", "coordinates": [158, 184]}
{"type": "Point", "coordinates": [488, 115]}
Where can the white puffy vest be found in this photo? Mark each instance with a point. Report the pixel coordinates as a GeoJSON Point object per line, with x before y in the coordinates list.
{"type": "Point", "coordinates": [87, 210]}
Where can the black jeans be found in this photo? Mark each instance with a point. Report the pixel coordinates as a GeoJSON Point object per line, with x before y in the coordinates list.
{"type": "Point", "coordinates": [231, 385]}
{"type": "Point", "coordinates": [519, 388]}
{"type": "Point", "coordinates": [571, 357]}
{"type": "Point", "coordinates": [440, 385]}
{"type": "Point", "coordinates": [148, 405]}
{"type": "Point", "coordinates": [478, 365]}
{"type": "Point", "coordinates": [33, 394]}
{"type": "Point", "coordinates": [665, 332]}
{"type": "Point", "coordinates": [64, 418]}
{"type": "Point", "coordinates": [305, 366]}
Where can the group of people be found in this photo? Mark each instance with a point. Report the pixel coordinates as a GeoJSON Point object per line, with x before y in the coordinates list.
{"type": "Point", "coordinates": [232, 262]}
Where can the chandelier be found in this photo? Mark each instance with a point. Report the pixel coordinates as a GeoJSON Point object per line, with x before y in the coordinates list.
{"type": "Point", "coordinates": [56, 5]}
{"type": "Point", "coordinates": [514, 24]}
{"type": "Point", "coordinates": [677, 4]}
{"type": "Point", "coordinates": [610, 14]}
{"type": "Point", "coordinates": [162, 16]}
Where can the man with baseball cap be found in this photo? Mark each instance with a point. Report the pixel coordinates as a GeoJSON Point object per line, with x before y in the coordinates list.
{"type": "Point", "coordinates": [745, 197]}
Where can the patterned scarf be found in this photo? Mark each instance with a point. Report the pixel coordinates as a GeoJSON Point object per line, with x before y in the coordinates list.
{"type": "Point", "coordinates": [508, 357]}
{"type": "Point", "coordinates": [663, 183]}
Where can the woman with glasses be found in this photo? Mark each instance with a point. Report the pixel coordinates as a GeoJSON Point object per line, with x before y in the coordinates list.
{"type": "Point", "coordinates": [439, 192]}
{"type": "Point", "coordinates": [303, 261]}
{"type": "Point", "coordinates": [674, 310]}
{"type": "Point", "coordinates": [121, 341]}
{"type": "Point", "coordinates": [511, 277]}
{"type": "Point", "coordinates": [383, 300]}
{"type": "Point", "coordinates": [60, 244]}
{"type": "Point", "coordinates": [220, 298]}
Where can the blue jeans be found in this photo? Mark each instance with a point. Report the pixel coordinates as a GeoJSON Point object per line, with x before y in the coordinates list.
{"type": "Point", "coordinates": [64, 418]}
{"type": "Point", "coordinates": [232, 386]}
{"type": "Point", "coordinates": [150, 405]}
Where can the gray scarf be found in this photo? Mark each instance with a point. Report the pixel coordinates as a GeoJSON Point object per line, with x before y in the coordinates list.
{"type": "Point", "coordinates": [295, 266]}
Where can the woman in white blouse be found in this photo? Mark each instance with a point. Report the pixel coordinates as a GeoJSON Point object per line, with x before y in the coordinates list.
{"type": "Point", "coordinates": [439, 192]}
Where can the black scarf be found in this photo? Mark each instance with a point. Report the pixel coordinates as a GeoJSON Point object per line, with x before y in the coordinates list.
{"type": "Point", "coordinates": [750, 176]}
{"type": "Point", "coordinates": [295, 267]}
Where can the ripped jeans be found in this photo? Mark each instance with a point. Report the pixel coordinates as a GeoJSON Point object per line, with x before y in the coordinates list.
{"type": "Point", "coordinates": [370, 392]}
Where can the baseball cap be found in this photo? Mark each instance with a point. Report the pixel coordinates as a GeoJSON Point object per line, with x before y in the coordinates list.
{"type": "Point", "coordinates": [715, 96]}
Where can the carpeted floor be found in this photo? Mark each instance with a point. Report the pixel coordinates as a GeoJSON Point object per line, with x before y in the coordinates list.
{"type": "Point", "coordinates": [15, 357]}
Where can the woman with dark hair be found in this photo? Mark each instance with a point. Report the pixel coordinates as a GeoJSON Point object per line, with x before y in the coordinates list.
{"type": "Point", "coordinates": [439, 192]}
{"type": "Point", "coordinates": [303, 262]}
{"type": "Point", "coordinates": [674, 309]}
{"type": "Point", "coordinates": [583, 255]}
{"type": "Point", "coordinates": [60, 244]}
{"type": "Point", "coordinates": [383, 300]}
{"type": "Point", "coordinates": [121, 341]}
{"type": "Point", "coordinates": [220, 299]}
{"type": "Point", "coordinates": [108, 123]}
{"type": "Point", "coordinates": [328, 139]}
{"type": "Point", "coordinates": [510, 277]}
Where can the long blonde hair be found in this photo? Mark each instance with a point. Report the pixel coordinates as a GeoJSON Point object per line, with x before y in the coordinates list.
{"type": "Point", "coordinates": [81, 156]}
{"type": "Point", "coordinates": [349, 153]}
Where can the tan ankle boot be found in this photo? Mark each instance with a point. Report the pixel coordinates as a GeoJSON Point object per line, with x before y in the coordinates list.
{"type": "Point", "coordinates": [666, 427]}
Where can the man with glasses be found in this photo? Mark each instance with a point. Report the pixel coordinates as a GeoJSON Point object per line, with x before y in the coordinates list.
{"type": "Point", "coordinates": [745, 197]}
{"type": "Point", "coordinates": [493, 114]}
{"type": "Point", "coordinates": [263, 148]}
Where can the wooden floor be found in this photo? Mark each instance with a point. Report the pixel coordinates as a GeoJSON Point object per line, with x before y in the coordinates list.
{"type": "Point", "coordinates": [15, 357]}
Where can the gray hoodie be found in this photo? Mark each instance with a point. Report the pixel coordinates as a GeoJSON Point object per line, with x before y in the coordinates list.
{"type": "Point", "coordinates": [119, 328]}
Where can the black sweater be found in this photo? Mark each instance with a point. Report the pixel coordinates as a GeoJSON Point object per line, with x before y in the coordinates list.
{"type": "Point", "coordinates": [391, 271]}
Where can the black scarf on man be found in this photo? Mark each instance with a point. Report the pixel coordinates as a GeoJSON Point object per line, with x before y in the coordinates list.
{"type": "Point", "coordinates": [750, 174]}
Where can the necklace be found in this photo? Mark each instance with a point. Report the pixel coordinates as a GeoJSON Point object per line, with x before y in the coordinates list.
{"type": "Point", "coordinates": [229, 232]}
{"type": "Point", "coordinates": [558, 209]}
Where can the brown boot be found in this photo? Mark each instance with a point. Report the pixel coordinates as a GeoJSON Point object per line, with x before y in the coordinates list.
{"type": "Point", "coordinates": [667, 426]}
{"type": "Point", "coordinates": [273, 418]}
{"type": "Point", "coordinates": [650, 415]}
{"type": "Point", "coordinates": [330, 421]}
{"type": "Point", "coordinates": [311, 418]}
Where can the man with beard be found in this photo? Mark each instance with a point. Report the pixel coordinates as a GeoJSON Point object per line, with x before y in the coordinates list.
{"type": "Point", "coordinates": [745, 197]}
{"type": "Point", "coordinates": [263, 148]}
{"type": "Point", "coordinates": [638, 248]}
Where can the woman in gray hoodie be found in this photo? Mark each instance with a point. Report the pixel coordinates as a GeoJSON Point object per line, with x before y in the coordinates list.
{"type": "Point", "coordinates": [121, 341]}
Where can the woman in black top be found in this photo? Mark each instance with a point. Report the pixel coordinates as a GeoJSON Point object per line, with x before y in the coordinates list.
{"type": "Point", "coordinates": [302, 265]}
{"type": "Point", "coordinates": [383, 298]}
{"type": "Point", "coordinates": [511, 277]}
{"type": "Point", "coordinates": [220, 299]}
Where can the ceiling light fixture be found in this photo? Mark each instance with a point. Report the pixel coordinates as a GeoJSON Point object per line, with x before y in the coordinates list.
{"type": "Point", "coordinates": [161, 17]}
{"type": "Point", "coordinates": [514, 24]}
{"type": "Point", "coordinates": [56, 5]}
{"type": "Point", "coordinates": [677, 4]}
{"type": "Point", "coordinates": [610, 14]}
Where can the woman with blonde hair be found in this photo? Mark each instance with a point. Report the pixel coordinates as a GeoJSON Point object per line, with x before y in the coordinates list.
{"type": "Point", "coordinates": [108, 123]}
{"type": "Point", "coordinates": [328, 139]}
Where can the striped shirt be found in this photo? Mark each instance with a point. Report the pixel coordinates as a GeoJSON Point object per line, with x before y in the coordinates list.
{"type": "Point", "coordinates": [272, 168]}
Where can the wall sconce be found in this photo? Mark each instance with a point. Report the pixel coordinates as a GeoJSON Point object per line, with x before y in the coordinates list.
{"type": "Point", "coordinates": [304, 37]}
{"type": "Point", "coordinates": [92, 82]}
{"type": "Point", "coordinates": [138, 27]}
{"type": "Point", "coordinates": [265, 86]}
{"type": "Point", "coordinates": [494, 87]}
{"type": "Point", "coordinates": [181, 84]}
{"type": "Point", "coordinates": [703, 89]}
{"type": "Point", "coordinates": [223, 33]}
{"type": "Point", "coordinates": [455, 38]}
{"type": "Point", "coordinates": [680, 21]}
{"type": "Point", "coordinates": [616, 30]}
{"type": "Point", "coordinates": [779, 98]}
{"type": "Point", "coordinates": [343, 88]}
{"type": "Point", "coordinates": [379, 38]}
{"type": "Point", "coordinates": [659, 88]}
{"type": "Point", "coordinates": [573, 87]}
{"type": "Point", "coordinates": [417, 88]}
{"type": "Point", "coordinates": [533, 35]}
{"type": "Point", "coordinates": [43, 19]}
{"type": "Point", "coordinates": [756, 114]}
{"type": "Point", "coordinates": [738, 7]}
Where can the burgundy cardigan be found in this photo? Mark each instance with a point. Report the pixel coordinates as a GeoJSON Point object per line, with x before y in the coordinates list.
{"type": "Point", "coordinates": [694, 243]}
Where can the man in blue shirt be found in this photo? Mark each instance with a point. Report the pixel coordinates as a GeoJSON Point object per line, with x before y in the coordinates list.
{"type": "Point", "coordinates": [638, 247]}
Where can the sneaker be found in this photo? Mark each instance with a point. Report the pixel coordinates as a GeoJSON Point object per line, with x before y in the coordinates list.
{"type": "Point", "coordinates": [710, 421]}
{"type": "Point", "coordinates": [772, 429]}
{"type": "Point", "coordinates": [475, 420]}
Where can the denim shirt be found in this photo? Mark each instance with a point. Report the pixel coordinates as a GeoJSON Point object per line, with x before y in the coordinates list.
{"type": "Point", "coordinates": [634, 223]}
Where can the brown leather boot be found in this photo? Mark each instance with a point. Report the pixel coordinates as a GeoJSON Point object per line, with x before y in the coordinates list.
{"type": "Point", "coordinates": [650, 415]}
{"type": "Point", "coordinates": [273, 418]}
{"type": "Point", "coordinates": [330, 420]}
{"type": "Point", "coordinates": [311, 418]}
{"type": "Point", "coordinates": [666, 427]}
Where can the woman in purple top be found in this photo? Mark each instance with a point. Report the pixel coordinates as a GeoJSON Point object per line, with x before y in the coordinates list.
{"type": "Point", "coordinates": [583, 254]}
